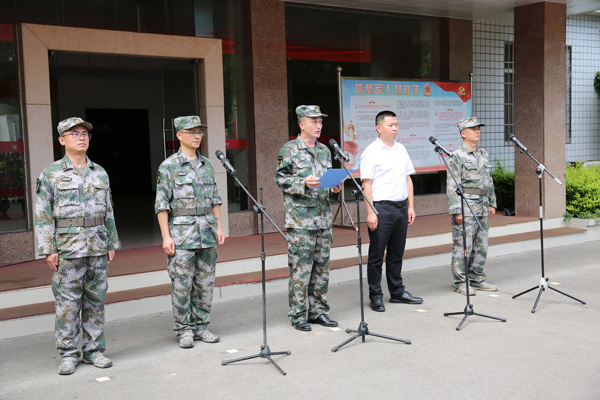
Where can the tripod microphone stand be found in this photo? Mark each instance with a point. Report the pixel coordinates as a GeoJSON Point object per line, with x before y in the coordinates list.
{"type": "Point", "coordinates": [363, 329]}
{"type": "Point", "coordinates": [543, 285]}
{"type": "Point", "coordinates": [460, 191]}
{"type": "Point", "coordinates": [265, 351]}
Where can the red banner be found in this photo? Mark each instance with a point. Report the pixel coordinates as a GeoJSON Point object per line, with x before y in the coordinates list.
{"type": "Point", "coordinates": [7, 32]}
{"type": "Point", "coordinates": [11, 147]}
{"type": "Point", "coordinates": [16, 192]}
{"type": "Point", "coordinates": [463, 90]}
{"type": "Point", "coordinates": [232, 144]}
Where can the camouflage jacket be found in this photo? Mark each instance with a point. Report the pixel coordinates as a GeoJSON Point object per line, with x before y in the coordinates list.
{"type": "Point", "coordinates": [179, 186]}
{"type": "Point", "coordinates": [63, 193]}
{"type": "Point", "coordinates": [304, 208]}
{"type": "Point", "coordinates": [472, 169]}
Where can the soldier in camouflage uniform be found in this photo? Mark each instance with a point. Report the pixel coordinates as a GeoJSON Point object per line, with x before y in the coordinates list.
{"type": "Point", "coordinates": [308, 219]}
{"type": "Point", "coordinates": [471, 167]}
{"type": "Point", "coordinates": [75, 230]}
{"type": "Point", "coordinates": [188, 207]}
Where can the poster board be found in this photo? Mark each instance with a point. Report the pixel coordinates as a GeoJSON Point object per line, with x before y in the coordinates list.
{"type": "Point", "coordinates": [424, 109]}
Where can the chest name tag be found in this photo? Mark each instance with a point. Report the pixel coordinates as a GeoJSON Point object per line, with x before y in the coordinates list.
{"type": "Point", "coordinates": [181, 173]}
{"type": "Point", "coordinates": [67, 179]}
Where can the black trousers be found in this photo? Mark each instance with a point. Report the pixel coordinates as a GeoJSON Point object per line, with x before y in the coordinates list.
{"type": "Point", "coordinates": [391, 235]}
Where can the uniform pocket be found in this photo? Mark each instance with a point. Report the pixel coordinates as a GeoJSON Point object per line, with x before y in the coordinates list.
{"type": "Point", "coordinates": [211, 218]}
{"type": "Point", "coordinates": [66, 238]}
{"type": "Point", "coordinates": [101, 190]}
{"type": "Point", "coordinates": [209, 186]}
{"type": "Point", "coordinates": [303, 165]}
{"type": "Point", "coordinates": [67, 194]}
{"type": "Point", "coordinates": [184, 187]}
{"type": "Point", "coordinates": [471, 173]}
{"type": "Point", "coordinates": [184, 228]}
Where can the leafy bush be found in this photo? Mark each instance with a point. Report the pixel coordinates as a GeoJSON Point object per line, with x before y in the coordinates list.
{"type": "Point", "coordinates": [583, 191]}
{"type": "Point", "coordinates": [504, 186]}
{"type": "Point", "coordinates": [597, 80]}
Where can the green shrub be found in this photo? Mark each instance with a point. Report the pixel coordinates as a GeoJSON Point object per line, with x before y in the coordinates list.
{"type": "Point", "coordinates": [597, 80]}
{"type": "Point", "coordinates": [504, 186]}
{"type": "Point", "coordinates": [583, 191]}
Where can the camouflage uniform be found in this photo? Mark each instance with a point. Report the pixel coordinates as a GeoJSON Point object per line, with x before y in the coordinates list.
{"type": "Point", "coordinates": [308, 220]}
{"type": "Point", "coordinates": [192, 267]}
{"type": "Point", "coordinates": [81, 278]}
{"type": "Point", "coordinates": [472, 169]}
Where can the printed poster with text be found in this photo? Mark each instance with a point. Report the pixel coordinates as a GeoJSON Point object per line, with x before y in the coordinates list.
{"type": "Point", "coordinates": [424, 109]}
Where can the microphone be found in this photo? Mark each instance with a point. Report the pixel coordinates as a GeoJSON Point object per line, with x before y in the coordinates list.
{"type": "Point", "coordinates": [517, 143]}
{"type": "Point", "coordinates": [440, 146]}
{"type": "Point", "coordinates": [338, 150]}
{"type": "Point", "coordinates": [225, 162]}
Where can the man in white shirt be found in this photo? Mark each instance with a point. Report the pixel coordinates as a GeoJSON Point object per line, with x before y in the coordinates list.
{"type": "Point", "coordinates": [385, 174]}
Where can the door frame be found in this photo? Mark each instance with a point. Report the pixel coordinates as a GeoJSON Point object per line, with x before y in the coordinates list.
{"type": "Point", "coordinates": [36, 40]}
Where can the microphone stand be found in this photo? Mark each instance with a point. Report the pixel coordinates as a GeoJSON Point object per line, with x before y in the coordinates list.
{"type": "Point", "coordinates": [363, 329]}
{"type": "Point", "coordinates": [543, 285]}
{"type": "Point", "coordinates": [265, 351]}
{"type": "Point", "coordinates": [463, 200]}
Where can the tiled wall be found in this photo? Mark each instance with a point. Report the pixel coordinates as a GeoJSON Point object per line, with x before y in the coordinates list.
{"type": "Point", "coordinates": [583, 34]}
{"type": "Point", "coordinates": [488, 87]}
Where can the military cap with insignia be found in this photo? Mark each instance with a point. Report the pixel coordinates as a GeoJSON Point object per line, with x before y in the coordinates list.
{"type": "Point", "coordinates": [309, 111]}
{"type": "Point", "coordinates": [188, 122]}
{"type": "Point", "coordinates": [68, 123]}
{"type": "Point", "coordinates": [470, 122]}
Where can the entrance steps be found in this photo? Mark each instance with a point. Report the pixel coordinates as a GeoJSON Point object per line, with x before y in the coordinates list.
{"type": "Point", "coordinates": [139, 283]}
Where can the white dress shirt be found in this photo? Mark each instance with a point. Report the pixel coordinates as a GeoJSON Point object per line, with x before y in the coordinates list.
{"type": "Point", "coordinates": [388, 169]}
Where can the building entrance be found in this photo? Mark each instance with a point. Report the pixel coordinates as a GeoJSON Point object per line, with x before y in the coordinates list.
{"type": "Point", "coordinates": [131, 101]}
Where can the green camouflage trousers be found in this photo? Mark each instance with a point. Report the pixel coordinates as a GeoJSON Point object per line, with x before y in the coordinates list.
{"type": "Point", "coordinates": [477, 245]}
{"type": "Point", "coordinates": [80, 284]}
{"type": "Point", "coordinates": [308, 259]}
{"type": "Point", "coordinates": [192, 274]}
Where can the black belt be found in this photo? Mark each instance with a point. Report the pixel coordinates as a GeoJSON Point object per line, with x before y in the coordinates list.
{"type": "Point", "coordinates": [397, 204]}
{"type": "Point", "coordinates": [86, 222]}
{"type": "Point", "coordinates": [180, 212]}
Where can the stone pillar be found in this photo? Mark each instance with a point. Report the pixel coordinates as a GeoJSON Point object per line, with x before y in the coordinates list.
{"type": "Point", "coordinates": [266, 80]}
{"type": "Point", "coordinates": [540, 97]}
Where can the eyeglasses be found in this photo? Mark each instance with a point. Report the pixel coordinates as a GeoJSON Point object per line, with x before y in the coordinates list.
{"type": "Point", "coordinates": [194, 133]}
{"type": "Point", "coordinates": [76, 135]}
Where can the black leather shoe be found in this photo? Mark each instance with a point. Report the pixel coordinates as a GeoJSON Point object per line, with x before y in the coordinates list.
{"type": "Point", "coordinates": [323, 320]}
{"type": "Point", "coordinates": [302, 325]}
{"type": "Point", "coordinates": [377, 305]}
{"type": "Point", "coordinates": [406, 298]}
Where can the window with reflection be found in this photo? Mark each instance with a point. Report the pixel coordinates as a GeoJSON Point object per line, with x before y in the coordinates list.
{"type": "Point", "coordinates": [13, 207]}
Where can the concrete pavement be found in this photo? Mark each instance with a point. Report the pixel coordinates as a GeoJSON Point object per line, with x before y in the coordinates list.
{"type": "Point", "coordinates": [552, 354]}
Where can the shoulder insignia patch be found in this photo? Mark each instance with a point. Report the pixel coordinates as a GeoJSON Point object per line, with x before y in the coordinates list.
{"type": "Point", "coordinates": [279, 161]}
{"type": "Point", "coordinates": [37, 186]}
{"type": "Point", "coordinates": [157, 177]}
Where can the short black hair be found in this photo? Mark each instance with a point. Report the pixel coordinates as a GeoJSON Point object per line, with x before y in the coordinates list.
{"type": "Point", "coordinates": [382, 115]}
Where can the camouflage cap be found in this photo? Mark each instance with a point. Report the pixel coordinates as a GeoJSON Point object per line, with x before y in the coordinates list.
{"type": "Point", "coordinates": [68, 123]}
{"type": "Point", "coordinates": [309, 111]}
{"type": "Point", "coordinates": [470, 122]}
{"type": "Point", "coordinates": [191, 121]}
